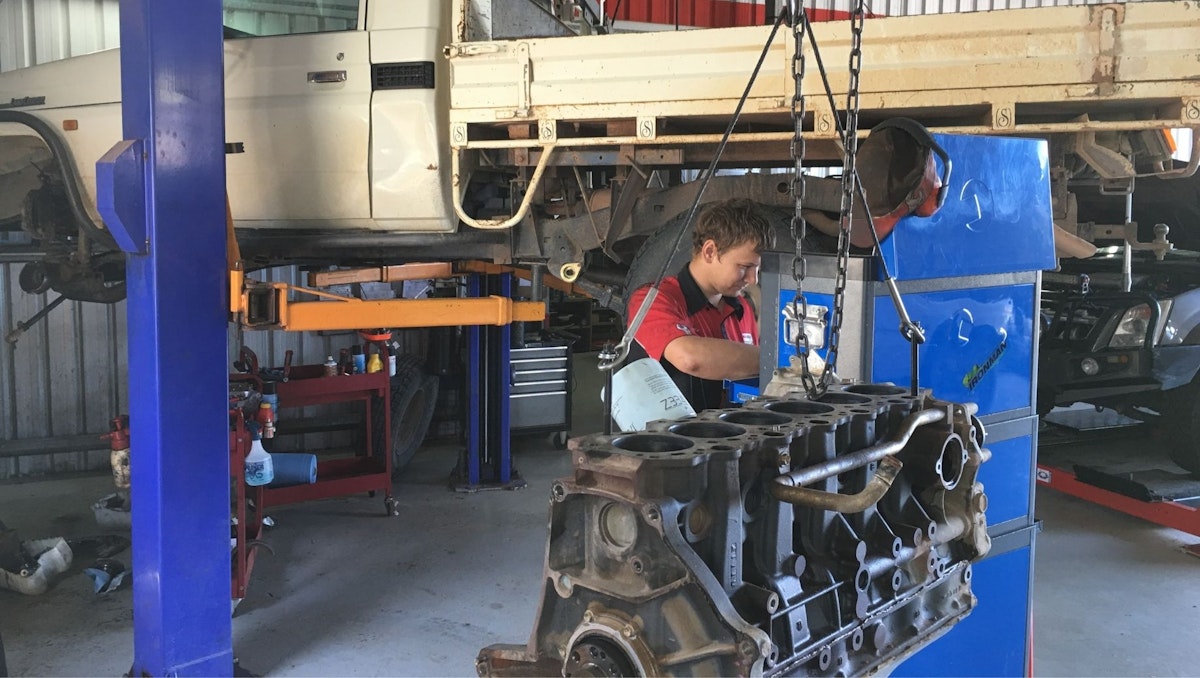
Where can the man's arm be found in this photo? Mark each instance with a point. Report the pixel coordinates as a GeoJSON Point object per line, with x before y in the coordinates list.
{"type": "Point", "coordinates": [712, 358]}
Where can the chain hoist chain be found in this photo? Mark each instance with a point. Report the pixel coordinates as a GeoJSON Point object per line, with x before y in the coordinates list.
{"type": "Point", "coordinates": [849, 186]}
{"type": "Point", "coordinates": [799, 228]}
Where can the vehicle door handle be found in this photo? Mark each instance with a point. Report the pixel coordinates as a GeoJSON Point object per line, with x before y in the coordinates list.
{"type": "Point", "coordinates": [326, 76]}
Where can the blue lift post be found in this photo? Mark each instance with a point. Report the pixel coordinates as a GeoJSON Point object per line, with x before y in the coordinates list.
{"type": "Point", "coordinates": [488, 454]}
{"type": "Point", "coordinates": [161, 192]}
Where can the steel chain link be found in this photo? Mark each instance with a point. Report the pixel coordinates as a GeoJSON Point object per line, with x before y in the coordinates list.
{"type": "Point", "coordinates": [849, 187]}
{"type": "Point", "coordinates": [799, 228]}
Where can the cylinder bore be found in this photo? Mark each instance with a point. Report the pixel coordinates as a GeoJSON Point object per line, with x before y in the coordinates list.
{"type": "Point", "coordinates": [618, 525]}
{"type": "Point", "coordinates": [877, 389]}
{"type": "Point", "coordinates": [755, 418]}
{"type": "Point", "coordinates": [652, 442]}
{"type": "Point", "coordinates": [707, 429]}
{"type": "Point", "coordinates": [835, 398]}
{"type": "Point", "coordinates": [799, 407]}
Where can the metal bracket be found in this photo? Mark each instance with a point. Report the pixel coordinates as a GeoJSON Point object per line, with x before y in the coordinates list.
{"type": "Point", "coordinates": [124, 212]}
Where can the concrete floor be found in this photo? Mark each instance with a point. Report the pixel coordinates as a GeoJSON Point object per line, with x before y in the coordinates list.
{"type": "Point", "coordinates": [349, 591]}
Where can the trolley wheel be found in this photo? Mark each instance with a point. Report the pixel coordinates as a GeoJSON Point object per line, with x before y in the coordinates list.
{"type": "Point", "coordinates": [559, 439]}
{"type": "Point", "coordinates": [391, 506]}
{"type": "Point", "coordinates": [371, 493]}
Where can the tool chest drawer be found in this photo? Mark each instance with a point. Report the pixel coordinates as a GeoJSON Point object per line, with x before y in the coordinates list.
{"type": "Point", "coordinates": [539, 391]}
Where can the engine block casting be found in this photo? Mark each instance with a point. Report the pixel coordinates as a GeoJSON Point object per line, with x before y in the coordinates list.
{"type": "Point", "coordinates": [786, 537]}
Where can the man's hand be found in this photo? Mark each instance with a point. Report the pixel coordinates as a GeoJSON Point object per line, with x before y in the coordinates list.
{"type": "Point", "coordinates": [713, 358]}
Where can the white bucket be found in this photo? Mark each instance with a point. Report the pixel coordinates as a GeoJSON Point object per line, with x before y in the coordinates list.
{"type": "Point", "coordinates": [643, 392]}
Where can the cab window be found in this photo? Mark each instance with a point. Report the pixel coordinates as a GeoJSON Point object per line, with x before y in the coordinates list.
{"type": "Point", "coordinates": [258, 18]}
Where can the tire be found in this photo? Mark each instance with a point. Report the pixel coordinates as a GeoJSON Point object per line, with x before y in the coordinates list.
{"type": "Point", "coordinates": [1182, 426]}
{"type": "Point", "coordinates": [414, 395]}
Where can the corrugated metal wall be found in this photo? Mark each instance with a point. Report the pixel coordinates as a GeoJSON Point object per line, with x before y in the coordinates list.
{"type": "Point", "coordinates": [67, 375]}
{"type": "Point", "coordinates": [36, 31]}
{"type": "Point", "coordinates": [717, 13]}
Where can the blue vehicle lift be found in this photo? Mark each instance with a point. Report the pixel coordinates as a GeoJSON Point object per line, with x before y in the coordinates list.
{"type": "Point", "coordinates": [486, 461]}
{"type": "Point", "coordinates": [162, 194]}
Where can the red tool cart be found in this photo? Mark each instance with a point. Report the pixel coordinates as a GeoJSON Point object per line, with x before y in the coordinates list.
{"type": "Point", "coordinates": [370, 469]}
{"type": "Point", "coordinates": [247, 528]}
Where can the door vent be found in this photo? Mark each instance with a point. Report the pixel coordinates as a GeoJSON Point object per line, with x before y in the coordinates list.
{"type": "Point", "coordinates": [407, 75]}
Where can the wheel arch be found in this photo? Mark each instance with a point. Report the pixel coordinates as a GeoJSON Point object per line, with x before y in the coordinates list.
{"type": "Point", "coordinates": [66, 169]}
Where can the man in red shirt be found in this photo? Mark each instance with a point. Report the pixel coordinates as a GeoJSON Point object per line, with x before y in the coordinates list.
{"type": "Point", "coordinates": [700, 328]}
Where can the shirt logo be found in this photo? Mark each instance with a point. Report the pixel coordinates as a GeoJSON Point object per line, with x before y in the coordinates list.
{"type": "Point", "coordinates": [683, 328]}
{"type": "Point", "coordinates": [747, 338]}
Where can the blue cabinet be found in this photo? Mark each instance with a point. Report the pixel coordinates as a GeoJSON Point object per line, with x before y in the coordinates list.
{"type": "Point", "coordinates": [971, 276]}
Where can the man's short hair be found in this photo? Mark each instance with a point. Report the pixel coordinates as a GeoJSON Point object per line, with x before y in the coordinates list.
{"type": "Point", "coordinates": [729, 223]}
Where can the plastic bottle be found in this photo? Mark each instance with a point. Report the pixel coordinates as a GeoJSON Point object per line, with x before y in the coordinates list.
{"type": "Point", "coordinates": [266, 419]}
{"type": "Point", "coordinates": [393, 351]}
{"type": "Point", "coordinates": [259, 468]}
{"type": "Point", "coordinates": [331, 367]}
{"type": "Point", "coordinates": [374, 363]}
{"type": "Point", "coordinates": [358, 359]}
{"type": "Point", "coordinates": [119, 452]}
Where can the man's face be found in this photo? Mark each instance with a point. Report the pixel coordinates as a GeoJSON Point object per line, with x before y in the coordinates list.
{"type": "Point", "coordinates": [733, 270]}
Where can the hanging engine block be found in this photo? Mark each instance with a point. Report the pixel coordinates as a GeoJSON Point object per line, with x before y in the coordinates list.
{"type": "Point", "coordinates": [786, 537]}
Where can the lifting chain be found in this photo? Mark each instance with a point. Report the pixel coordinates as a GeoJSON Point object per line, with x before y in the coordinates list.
{"type": "Point", "coordinates": [815, 388]}
{"type": "Point", "coordinates": [799, 228]}
{"type": "Point", "coordinates": [849, 189]}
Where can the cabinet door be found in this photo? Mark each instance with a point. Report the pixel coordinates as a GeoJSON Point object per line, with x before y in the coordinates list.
{"type": "Point", "coordinates": [298, 96]}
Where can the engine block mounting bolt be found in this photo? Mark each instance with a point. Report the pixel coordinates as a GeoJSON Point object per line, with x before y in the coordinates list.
{"type": "Point", "coordinates": [588, 617]}
{"type": "Point", "coordinates": [747, 648]}
{"type": "Point", "coordinates": [629, 632]}
{"type": "Point", "coordinates": [785, 459]}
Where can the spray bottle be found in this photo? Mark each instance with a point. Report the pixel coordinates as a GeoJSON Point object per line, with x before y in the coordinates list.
{"type": "Point", "coordinates": [118, 455]}
{"type": "Point", "coordinates": [259, 468]}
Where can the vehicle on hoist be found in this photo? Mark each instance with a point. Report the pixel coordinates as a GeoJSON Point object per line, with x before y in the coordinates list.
{"type": "Point", "coordinates": [548, 148]}
{"type": "Point", "coordinates": [1128, 337]}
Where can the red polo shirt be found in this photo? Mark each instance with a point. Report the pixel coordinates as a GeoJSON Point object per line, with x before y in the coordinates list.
{"type": "Point", "coordinates": [681, 310]}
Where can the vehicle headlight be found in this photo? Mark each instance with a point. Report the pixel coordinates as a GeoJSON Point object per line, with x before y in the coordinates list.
{"type": "Point", "coordinates": [1131, 331]}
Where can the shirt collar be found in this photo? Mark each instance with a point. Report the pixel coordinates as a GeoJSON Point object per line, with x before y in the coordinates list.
{"type": "Point", "coordinates": [695, 299]}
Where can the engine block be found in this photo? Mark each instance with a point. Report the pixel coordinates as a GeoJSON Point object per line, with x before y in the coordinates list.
{"type": "Point", "coordinates": [786, 537]}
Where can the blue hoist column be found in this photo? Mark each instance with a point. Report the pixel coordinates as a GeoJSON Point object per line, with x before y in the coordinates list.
{"type": "Point", "coordinates": [971, 275]}
{"type": "Point", "coordinates": [161, 192]}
